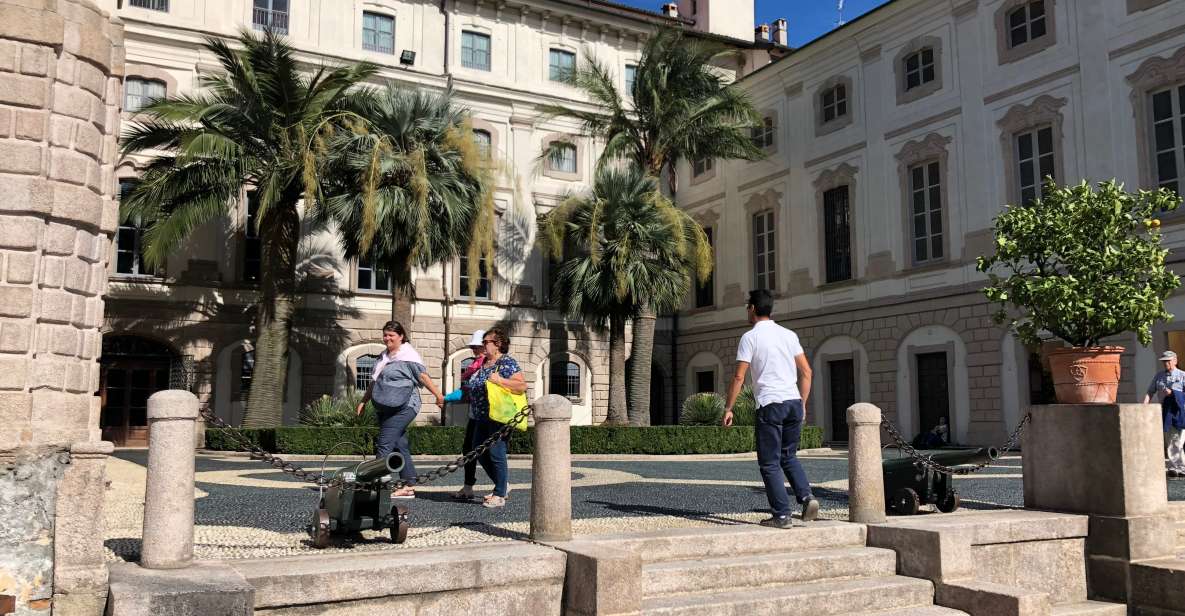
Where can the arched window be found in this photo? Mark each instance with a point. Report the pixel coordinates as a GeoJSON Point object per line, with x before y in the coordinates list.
{"type": "Point", "coordinates": [484, 140]}
{"type": "Point", "coordinates": [363, 371]}
{"type": "Point", "coordinates": [463, 366]}
{"type": "Point", "coordinates": [565, 379]}
{"type": "Point", "coordinates": [246, 372]}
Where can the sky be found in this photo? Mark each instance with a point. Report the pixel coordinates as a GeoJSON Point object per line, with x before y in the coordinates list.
{"type": "Point", "coordinates": [808, 19]}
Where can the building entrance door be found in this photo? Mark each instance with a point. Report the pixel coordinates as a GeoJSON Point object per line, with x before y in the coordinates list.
{"type": "Point", "coordinates": [841, 375]}
{"type": "Point", "coordinates": [933, 390]}
{"type": "Point", "coordinates": [131, 370]}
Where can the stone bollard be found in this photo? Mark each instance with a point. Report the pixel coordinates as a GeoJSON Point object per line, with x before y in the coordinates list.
{"type": "Point", "coordinates": [551, 470]}
{"type": "Point", "coordinates": [168, 493]}
{"type": "Point", "coordinates": [866, 483]}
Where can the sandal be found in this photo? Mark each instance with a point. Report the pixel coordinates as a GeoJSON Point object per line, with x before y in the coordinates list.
{"type": "Point", "coordinates": [494, 502]}
{"type": "Point", "coordinates": [404, 493]}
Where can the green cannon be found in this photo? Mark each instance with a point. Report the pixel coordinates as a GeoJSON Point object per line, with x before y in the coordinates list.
{"type": "Point", "coordinates": [346, 510]}
{"type": "Point", "coordinates": [909, 485]}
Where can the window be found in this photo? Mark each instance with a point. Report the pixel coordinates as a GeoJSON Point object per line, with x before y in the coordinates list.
{"type": "Point", "coordinates": [1034, 157]}
{"type": "Point", "coordinates": [763, 136]}
{"type": "Point", "coordinates": [252, 246]}
{"type": "Point", "coordinates": [129, 242]}
{"type": "Point", "coordinates": [837, 234]}
{"type": "Point", "coordinates": [475, 50]}
{"type": "Point", "coordinates": [372, 277]}
{"type": "Point", "coordinates": [560, 64]}
{"type": "Point", "coordinates": [919, 68]}
{"type": "Point", "coordinates": [764, 251]}
{"type": "Point", "coordinates": [363, 371]}
{"type": "Point", "coordinates": [270, 15]}
{"type": "Point", "coordinates": [565, 380]}
{"type": "Point", "coordinates": [138, 92]}
{"type": "Point", "coordinates": [155, 5]}
{"type": "Point", "coordinates": [705, 381]}
{"type": "Point", "coordinates": [1168, 121]}
{"type": "Point", "coordinates": [1026, 23]}
{"type": "Point", "coordinates": [631, 77]}
{"type": "Point", "coordinates": [378, 32]}
{"type": "Point", "coordinates": [835, 103]}
{"type": "Point", "coordinates": [700, 167]}
{"type": "Point", "coordinates": [246, 372]}
{"type": "Point", "coordinates": [485, 142]}
{"type": "Point", "coordinates": [562, 158]}
{"type": "Point", "coordinates": [925, 192]}
{"type": "Point", "coordinates": [463, 366]}
{"type": "Point", "coordinates": [705, 294]}
{"type": "Point", "coordinates": [483, 282]}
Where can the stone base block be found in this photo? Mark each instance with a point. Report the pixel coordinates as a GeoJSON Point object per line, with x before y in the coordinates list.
{"type": "Point", "coordinates": [1158, 584]}
{"type": "Point", "coordinates": [1108, 578]}
{"type": "Point", "coordinates": [1132, 538]}
{"type": "Point", "coordinates": [989, 599]}
{"type": "Point", "coordinates": [204, 589]}
{"type": "Point", "coordinates": [80, 604]}
{"type": "Point", "coordinates": [512, 600]}
{"type": "Point", "coordinates": [600, 580]}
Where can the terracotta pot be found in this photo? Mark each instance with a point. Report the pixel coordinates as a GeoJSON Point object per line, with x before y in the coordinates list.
{"type": "Point", "coordinates": [1085, 375]}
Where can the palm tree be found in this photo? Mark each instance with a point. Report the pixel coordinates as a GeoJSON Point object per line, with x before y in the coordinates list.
{"type": "Point", "coordinates": [680, 108]}
{"type": "Point", "coordinates": [629, 248]}
{"type": "Point", "coordinates": [427, 192]}
{"type": "Point", "coordinates": [254, 125]}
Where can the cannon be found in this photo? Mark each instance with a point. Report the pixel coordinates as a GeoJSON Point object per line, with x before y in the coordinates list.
{"type": "Point", "coordinates": [908, 485]}
{"type": "Point", "coordinates": [349, 510]}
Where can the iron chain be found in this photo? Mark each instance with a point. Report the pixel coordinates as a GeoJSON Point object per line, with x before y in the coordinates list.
{"type": "Point", "coordinates": [321, 480]}
{"type": "Point", "coordinates": [924, 461]}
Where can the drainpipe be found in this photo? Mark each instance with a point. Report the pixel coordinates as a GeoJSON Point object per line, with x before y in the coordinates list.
{"type": "Point", "coordinates": [447, 46]}
{"type": "Point", "coordinates": [448, 314]}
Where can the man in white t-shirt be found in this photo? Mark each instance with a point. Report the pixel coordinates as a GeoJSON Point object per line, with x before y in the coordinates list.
{"type": "Point", "coordinates": [780, 372]}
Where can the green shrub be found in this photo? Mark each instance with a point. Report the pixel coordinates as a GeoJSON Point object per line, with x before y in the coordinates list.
{"type": "Point", "coordinates": [447, 440]}
{"type": "Point", "coordinates": [744, 410]}
{"type": "Point", "coordinates": [338, 412]}
{"type": "Point", "coordinates": [705, 409]}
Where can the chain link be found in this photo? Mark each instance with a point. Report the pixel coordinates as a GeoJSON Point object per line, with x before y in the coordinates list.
{"type": "Point", "coordinates": [321, 480]}
{"type": "Point", "coordinates": [924, 461]}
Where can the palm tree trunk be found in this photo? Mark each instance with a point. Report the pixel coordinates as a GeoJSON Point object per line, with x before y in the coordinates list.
{"type": "Point", "coordinates": [639, 369]}
{"type": "Point", "coordinates": [273, 321]}
{"type": "Point", "coordinates": [618, 409]}
{"type": "Point", "coordinates": [403, 294]}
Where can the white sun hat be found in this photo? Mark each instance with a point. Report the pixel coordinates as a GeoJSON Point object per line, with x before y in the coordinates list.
{"type": "Point", "coordinates": [475, 341]}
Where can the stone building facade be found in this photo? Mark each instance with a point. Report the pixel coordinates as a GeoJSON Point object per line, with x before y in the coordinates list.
{"type": "Point", "coordinates": [893, 142]}
{"type": "Point", "coordinates": [61, 70]}
{"type": "Point", "coordinates": [189, 324]}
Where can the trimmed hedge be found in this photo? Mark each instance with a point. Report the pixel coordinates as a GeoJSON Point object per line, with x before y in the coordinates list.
{"type": "Point", "coordinates": [444, 440]}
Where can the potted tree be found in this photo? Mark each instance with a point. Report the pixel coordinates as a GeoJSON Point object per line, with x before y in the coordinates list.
{"type": "Point", "coordinates": [1082, 264]}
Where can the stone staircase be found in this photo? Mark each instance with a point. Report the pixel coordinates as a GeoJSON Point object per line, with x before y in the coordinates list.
{"type": "Point", "coordinates": [824, 568]}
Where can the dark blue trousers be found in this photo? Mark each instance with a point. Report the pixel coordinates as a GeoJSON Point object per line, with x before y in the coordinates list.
{"type": "Point", "coordinates": [778, 429]}
{"type": "Point", "coordinates": [470, 445]}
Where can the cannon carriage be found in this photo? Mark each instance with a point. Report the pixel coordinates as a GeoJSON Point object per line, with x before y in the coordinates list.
{"type": "Point", "coordinates": [365, 503]}
{"type": "Point", "coordinates": [909, 484]}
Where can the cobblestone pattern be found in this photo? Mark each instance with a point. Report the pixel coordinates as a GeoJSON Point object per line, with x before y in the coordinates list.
{"type": "Point", "coordinates": [61, 63]}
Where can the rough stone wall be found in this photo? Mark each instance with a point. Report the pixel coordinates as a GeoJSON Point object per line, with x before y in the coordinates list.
{"type": "Point", "coordinates": [61, 63]}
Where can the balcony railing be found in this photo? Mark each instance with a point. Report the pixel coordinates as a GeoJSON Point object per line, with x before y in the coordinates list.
{"type": "Point", "coordinates": [276, 21]}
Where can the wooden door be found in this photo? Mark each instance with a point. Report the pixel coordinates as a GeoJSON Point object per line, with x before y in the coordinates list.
{"type": "Point", "coordinates": [126, 386]}
{"type": "Point", "coordinates": [933, 390]}
{"type": "Point", "coordinates": [841, 376]}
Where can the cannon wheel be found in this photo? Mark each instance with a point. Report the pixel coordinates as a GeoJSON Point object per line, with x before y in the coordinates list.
{"type": "Point", "coordinates": [906, 502]}
{"type": "Point", "coordinates": [950, 502]}
{"type": "Point", "coordinates": [320, 529]}
{"type": "Point", "coordinates": [399, 524]}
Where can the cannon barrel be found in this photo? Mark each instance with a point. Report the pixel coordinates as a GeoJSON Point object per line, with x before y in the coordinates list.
{"type": "Point", "coordinates": [949, 458]}
{"type": "Point", "coordinates": [373, 469]}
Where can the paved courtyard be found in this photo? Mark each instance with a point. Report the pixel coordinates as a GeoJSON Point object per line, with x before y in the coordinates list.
{"type": "Point", "coordinates": [247, 509]}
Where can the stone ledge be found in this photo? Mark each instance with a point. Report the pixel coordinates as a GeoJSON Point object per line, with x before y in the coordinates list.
{"type": "Point", "coordinates": [1000, 526]}
{"type": "Point", "coordinates": [600, 580]}
{"type": "Point", "coordinates": [989, 599]}
{"type": "Point", "coordinates": [302, 580]}
{"type": "Point", "coordinates": [205, 589]}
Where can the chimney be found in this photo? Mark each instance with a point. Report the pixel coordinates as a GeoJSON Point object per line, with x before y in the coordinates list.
{"type": "Point", "coordinates": [761, 33]}
{"type": "Point", "coordinates": [780, 34]}
{"type": "Point", "coordinates": [671, 10]}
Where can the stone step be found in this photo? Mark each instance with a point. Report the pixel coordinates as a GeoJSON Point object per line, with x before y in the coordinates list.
{"type": "Point", "coordinates": [752, 570]}
{"type": "Point", "coordinates": [1089, 608]}
{"type": "Point", "coordinates": [1177, 510]}
{"type": "Point", "coordinates": [733, 540]}
{"type": "Point", "coordinates": [857, 596]}
{"type": "Point", "coordinates": [928, 610]}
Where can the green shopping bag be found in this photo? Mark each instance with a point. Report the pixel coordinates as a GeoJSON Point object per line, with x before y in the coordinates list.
{"type": "Point", "coordinates": [504, 405]}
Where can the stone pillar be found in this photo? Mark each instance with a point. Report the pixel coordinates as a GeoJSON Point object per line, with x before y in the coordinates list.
{"type": "Point", "coordinates": [1107, 461]}
{"type": "Point", "coordinates": [551, 470]}
{"type": "Point", "coordinates": [61, 68]}
{"type": "Point", "coordinates": [866, 482]}
{"type": "Point", "coordinates": [168, 491]}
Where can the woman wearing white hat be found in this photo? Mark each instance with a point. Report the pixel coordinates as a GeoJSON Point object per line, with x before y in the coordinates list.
{"type": "Point", "coordinates": [475, 345]}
